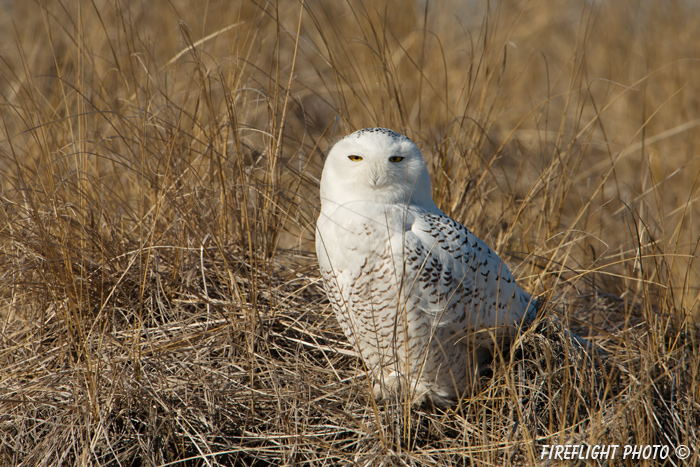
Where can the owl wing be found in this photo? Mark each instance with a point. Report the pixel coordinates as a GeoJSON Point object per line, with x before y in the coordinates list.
{"type": "Point", "coordinates": [459, 281]}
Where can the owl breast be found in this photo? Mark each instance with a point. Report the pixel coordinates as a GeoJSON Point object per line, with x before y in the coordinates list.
{"type": "Point", "coordinates": [395, 302]}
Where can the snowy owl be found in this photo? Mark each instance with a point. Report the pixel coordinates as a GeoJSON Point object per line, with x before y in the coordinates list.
{"type": "Point", "coordinates": [420, 297]}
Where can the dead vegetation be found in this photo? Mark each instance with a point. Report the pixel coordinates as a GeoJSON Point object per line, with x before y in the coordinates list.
{"type": "Point", "coordinates": [159, 163]}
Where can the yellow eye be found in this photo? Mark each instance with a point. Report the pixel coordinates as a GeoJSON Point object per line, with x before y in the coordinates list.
{"type": "Point", "coordinates": [395, 159]}
{"type": "Point", "coordinates": [355, 158]}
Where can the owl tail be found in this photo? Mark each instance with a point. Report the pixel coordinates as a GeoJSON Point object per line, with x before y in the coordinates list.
{"type": "Point", "coordinates": [531, 306]}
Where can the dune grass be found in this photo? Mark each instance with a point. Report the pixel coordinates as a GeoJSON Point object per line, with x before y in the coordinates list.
{"type": "Point", "coordinates": [160, 301]}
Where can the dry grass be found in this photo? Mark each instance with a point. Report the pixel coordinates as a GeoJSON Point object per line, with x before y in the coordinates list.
{"type": "Point", "coordinates": [159, 161]}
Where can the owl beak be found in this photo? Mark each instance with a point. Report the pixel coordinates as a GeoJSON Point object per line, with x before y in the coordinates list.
{"type": "Point", "coordinates": [375, 176]}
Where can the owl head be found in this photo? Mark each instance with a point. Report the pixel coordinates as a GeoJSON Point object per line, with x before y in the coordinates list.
{"type": "Point", "coordinates": [376, 165]}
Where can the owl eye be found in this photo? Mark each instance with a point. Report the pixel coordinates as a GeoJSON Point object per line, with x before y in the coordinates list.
{"type": "Point", "coordinates": [395, 158]}
{"type": "Point", "coordinates": [355, 158]}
